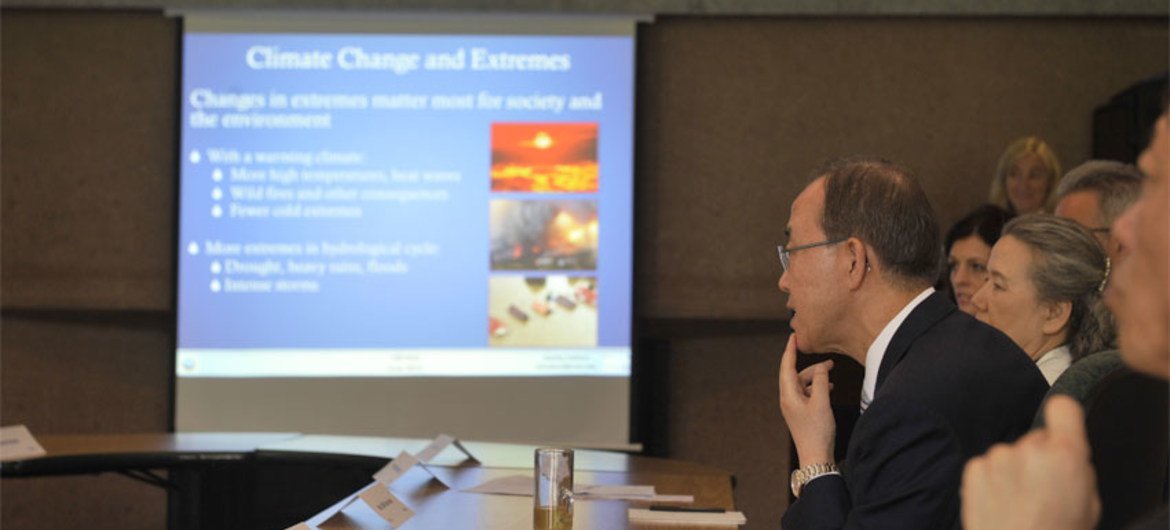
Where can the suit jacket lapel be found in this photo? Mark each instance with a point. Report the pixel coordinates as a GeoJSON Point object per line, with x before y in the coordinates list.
{"type": "Point", "coordinates": [927, 314]}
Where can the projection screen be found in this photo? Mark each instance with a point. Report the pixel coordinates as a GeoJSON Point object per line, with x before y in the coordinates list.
{"type": "Point", "coordinates": [401, 225]}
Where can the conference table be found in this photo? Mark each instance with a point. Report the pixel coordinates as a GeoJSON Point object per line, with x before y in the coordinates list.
{"type": "Point", "coordinates": [435, 494]}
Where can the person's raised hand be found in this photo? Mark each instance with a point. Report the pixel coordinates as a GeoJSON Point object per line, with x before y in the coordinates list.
{"type": "Point", "coordinates": [1043, 481]}
{"type": "Point", "coordinates": [804, 402]}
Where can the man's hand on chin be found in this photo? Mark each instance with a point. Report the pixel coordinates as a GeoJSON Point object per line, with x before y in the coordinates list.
{"type": "Point", "coordinates": [804, 402]}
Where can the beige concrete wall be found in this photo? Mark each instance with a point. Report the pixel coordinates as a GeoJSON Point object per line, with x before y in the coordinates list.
{"type": "Point", "coordinates": [734, 114]}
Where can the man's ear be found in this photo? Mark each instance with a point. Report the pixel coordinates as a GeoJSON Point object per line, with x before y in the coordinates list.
{"type": "Point", "coordinates": [859, 258]}
{"type": "Point", "coordinates": [1056, 317]}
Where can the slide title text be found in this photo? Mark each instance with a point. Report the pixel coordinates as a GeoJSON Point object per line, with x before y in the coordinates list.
{"type": "Point", "coordinates": [262, 57]}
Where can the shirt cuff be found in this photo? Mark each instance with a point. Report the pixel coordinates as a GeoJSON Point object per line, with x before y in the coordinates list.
{"type": "Point", "coordinates": [814, 479]}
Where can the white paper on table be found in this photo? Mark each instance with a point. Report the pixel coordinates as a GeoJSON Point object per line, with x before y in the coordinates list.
{"type": "Point", "coordinates": [434, 475]}
{"type": "Point", "coordinates": [643, 515]}
{"type": "Point", "coordinates": [523, 485]}
{"type": "Point", "coordinates": [616, 491]}
{"type": "Point", "coordinates": [17, 443]}
{"type": "Point", "coordinates": [628, 493]}
{"type": "Point", "coordinates": [676, 499]}
{"type": "Point", "coordinates": [509, 485]}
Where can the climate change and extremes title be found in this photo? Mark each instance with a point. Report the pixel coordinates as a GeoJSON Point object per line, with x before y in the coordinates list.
{"type": "Point", "coordinates": [357, 58]}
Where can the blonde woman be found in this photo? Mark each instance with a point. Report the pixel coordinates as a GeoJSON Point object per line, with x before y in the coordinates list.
{"type": "Point", "coordinates": [1026, 176]}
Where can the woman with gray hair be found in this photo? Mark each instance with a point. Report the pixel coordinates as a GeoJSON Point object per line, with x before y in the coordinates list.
{"type": "Point", "coordinates": [1046, 279]}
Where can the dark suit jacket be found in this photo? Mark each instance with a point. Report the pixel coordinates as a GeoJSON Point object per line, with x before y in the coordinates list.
{"type": "Point", "coordinates": [948, 388]}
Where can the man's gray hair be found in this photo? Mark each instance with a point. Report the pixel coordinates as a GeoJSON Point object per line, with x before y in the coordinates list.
{"type": "Point", "coordinates": [1117, 186]}
{"type": "Point", "coordinates": [883, 205]}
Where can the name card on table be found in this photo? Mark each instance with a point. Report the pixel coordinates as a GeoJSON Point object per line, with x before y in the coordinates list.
{"type": "Point", "coordinates": [400, 466]}
{"type": "Point", "coordinates": [396, 468]}
{"type": "Point", "coordinates": [386, 505]}
{"type": "Point", "coordinates": [16, 443]}
{"type": "Point", "coordinates": [440, 443]}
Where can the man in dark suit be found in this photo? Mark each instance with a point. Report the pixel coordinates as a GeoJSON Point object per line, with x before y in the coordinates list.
{"type": "Point", "coordinates": [939, 387]}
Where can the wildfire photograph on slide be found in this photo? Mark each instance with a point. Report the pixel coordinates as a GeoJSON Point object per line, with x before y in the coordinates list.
{"type": "Point", "coordinates": [543, 235]}
{"type": "Point", "coordinates": [544, 157]}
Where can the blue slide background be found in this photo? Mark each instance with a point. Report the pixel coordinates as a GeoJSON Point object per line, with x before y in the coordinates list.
{"type": "Point", "coordinates": [442, 301]}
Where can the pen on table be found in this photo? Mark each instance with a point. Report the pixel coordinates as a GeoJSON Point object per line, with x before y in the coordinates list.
{"type": "Point", "coordinates": [657, 508]}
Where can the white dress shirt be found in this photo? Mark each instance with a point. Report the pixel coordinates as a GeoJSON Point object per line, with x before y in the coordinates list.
{"type": "Point", "coordinates": [877, 350]}
{"type": "Point", "coordinates": [1054, 363]}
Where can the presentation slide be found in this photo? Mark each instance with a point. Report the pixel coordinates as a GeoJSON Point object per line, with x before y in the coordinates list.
{"type": "Point", "coordinates": [387, 206]}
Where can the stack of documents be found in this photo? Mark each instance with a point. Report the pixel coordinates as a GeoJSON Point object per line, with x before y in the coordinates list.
{"type": "Point", "coordinates": [697, 518]}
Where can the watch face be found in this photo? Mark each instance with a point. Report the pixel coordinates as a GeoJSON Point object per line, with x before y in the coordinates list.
{"type": "Point", "coordinates": [796, 480]}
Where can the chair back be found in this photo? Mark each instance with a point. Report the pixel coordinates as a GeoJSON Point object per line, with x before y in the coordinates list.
{"type": "Point", "coordinates": [1126, 422]}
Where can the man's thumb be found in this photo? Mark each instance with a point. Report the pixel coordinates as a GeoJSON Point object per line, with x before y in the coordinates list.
{"type": "Point", "coordinates": [1063, 417]}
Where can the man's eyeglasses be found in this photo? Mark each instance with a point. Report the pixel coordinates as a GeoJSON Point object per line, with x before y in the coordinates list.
{"type": "Point", "coordinates": [784, 252]}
